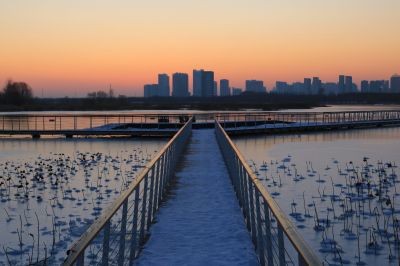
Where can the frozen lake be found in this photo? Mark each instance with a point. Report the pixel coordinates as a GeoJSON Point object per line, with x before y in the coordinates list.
{"type": "Point", "coordinates": [51, 190]}
{"type": "Point", "coordinates": [340, 189]}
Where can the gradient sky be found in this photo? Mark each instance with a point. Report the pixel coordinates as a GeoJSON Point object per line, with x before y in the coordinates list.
{"type": "Point", "coordinates": [69, 47]}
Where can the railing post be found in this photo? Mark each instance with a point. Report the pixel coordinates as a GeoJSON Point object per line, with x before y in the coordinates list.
{"type": "Point", "coordinates": [246, 199]}
{"type": "Point", "coordinates": [268, 236]}
{"type": "Point", "coordinates": [281, 246]}
{"type": "Point", "coordinates": [240, 183]}
{"type": "Point", "coordinates": [121, 253]}
{"type": "Point", "coordinates": [251, 205]}
{"type": "Point", "coordinates": [151, 195]}
{"type": "Point", "coordinates": [134, 232]}
{"type": "Point", "coordinates": [106, 243]}
{"type": "Point", "coordinates": [143, 211]}
{"type": "Point", "coordinates": [260, 239]}
{"type": "Point", "coordinates": [156, 186]}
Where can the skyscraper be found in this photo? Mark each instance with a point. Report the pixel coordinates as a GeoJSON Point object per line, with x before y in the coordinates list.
{"type": "Point", "coordinates": [316, 85]}
{"type": "Point", "coordinates": [215, 91]}
{"type": "Point", "coordinates": [197, 84]}
{"type": "Point", "coordinates": [236, 91]}
{"type": "Point", "coordinates": [180, 85]}
{"type": "Point", "coordinates": [348, 84]}
{"type": "Point", "coordinates": [307, 85]}
{"type": "Point", "coordinates": [341, 84]}
{"type": "Point", "coordinates": [281, 87]}
{"type": "Point", "coordinates": [207, 84]}
{"type": "Point", "coordinates": [395, 83]}
{"type": "Point", "coordinates": [255, 86]}
{"type": "Point", "coordinates": [365, 86]}
{"type": "Point", "coordinates": [150, 90]}
{"type": "Point", "coordinates": [224, 89]}
{"type": "Point", "coordinates": [163, 85]}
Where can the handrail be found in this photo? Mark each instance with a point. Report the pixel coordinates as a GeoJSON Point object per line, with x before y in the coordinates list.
{"type": "Point", "coordinates": [238, 166]}
{"type": "Point", "coordinates": [67, 123]}
{"type": "Point", "coordinates": [76, 252]}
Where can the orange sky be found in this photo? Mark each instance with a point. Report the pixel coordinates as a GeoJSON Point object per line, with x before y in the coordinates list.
{"type": "Point", "coordinates": [70, 47]}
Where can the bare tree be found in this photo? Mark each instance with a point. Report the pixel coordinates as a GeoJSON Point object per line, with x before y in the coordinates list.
{"type": "Point", "coordinates": [17, 93]}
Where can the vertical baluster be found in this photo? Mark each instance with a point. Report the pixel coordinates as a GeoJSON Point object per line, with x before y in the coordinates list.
{"type": "Point", "coordinates": [106, 243]}
{"type": "Point", "coordinates": [143, 211]}
{"type": "Point", "coordinates": [268, 236]}
{"type": "Point", "coordinates": [156, 186]}
{"type": "Point", "coordinates": [246, 199]}
{"type": "Point", "coordinates": [281, 246]}
{"type": "Point", "coordinates": [251, 209]}
{"type": "Point", "coordinates": [151, 195]}
{"type": "Point", "coordinates": [134, 232]}
{"type": "Point", "coordinates": [122, 237]}
{"type": "Point", "coordinates": [260, 238]}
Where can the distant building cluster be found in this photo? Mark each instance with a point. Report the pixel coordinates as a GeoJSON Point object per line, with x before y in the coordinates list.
{"type": "Point", "coordinates": [314, 86]}
{"type": "Point", "coordinates": [205, 85]}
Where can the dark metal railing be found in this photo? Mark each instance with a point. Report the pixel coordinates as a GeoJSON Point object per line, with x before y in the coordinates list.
{"type": "Point", "coordinates": [280, 119]}
{"type": "Point", "coordinates": [274, 236]}
{"type": "Point", "coordinates": [116, 236]}
{"type": "Point", "coordinates": [32, 123]}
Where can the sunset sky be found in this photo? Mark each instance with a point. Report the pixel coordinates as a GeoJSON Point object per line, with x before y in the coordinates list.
{"type": "Point", "coordinates": [70, 47]}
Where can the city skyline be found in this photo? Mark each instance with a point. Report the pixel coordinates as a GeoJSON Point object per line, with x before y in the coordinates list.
{"type": "Point", "coordinates": [68, 48]}
{"type": "Point", "coordinates": [204, 85]}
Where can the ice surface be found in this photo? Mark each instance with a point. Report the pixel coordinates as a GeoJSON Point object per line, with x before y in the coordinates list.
{"type": "Point", "coordinates": [202, 223]}
{"type": "Point", "coordinates": [332, 170]}
{"type": "Point", "coordinates": [51, 190]}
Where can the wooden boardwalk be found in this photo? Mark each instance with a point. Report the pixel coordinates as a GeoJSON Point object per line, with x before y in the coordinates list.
{"type": "Point", "coordinates": [201, 223]}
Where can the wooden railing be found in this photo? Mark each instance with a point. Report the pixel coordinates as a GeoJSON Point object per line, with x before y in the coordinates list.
{"type": "Point", "coordinates": [115, 237]}
{"type": "Point", "coordinates": [274, 236]}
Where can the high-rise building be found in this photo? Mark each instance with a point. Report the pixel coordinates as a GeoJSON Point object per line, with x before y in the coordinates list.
{"type": "Point", "coordinates": [376, 86]}
{"type": "Point", "coordinates": [180, 85]}
{"type": "Point", "coordinates": [224, 89]}
{"type": "Point", "coordinates": [298, 88]}
{"type": "Point", "coordinates": [197, 82]}
{"type": "Point", "coordinates": [330, 88]}
{"type": "Point", "coordinates": [207, 84]}
{"type": "Point", "coordinates": [281, 87]}
{"type": "Point", "coordinates": [151, 90]}
{"type": "Point", "coordinates": [395, 83]}
{"type": "Point", "coordinates": [386, 87]}
{"type": "Point", "coordinates": [255, 86]}
{"type": "Point", "coordinates": [237, 91]}
{"type": "Point", "coordinates": [307, 85]}
{"type": "Point", "coordinates": [341, 84]}
{"type": "Point", "coordinates": [365, 86]}
{"type": "Point", "coordinates": [316, 85]}
{"type": "Point", "coordinates": [203, 83]}
{"type": "Point", "coordinates": [163, 85]}
{"type": "Point", "coordinates": [348, 84]}
{"type": "Point", "coordinates": [215, 91]}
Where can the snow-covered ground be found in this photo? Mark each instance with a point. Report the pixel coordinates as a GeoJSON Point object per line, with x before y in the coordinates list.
{"type": "Point", "coordinates": [51, 190]}
{"type": "Point", "coordinates": [202, 223]}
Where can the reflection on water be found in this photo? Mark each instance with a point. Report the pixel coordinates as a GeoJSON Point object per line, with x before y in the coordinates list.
{"type": "Point", "coordinates": [260, 145]}
{"type": "Point", "coordinates": [26, 148]}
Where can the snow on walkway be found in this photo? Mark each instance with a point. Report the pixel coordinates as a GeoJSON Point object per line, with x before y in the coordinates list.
{"type": "Point", "coordinates": [202, 223]}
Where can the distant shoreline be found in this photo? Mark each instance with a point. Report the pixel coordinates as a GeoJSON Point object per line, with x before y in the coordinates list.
{"type": "Point", "coordinates": [256, 102]}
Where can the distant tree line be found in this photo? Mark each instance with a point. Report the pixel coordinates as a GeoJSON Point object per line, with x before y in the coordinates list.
{"type": "Point", "coordinates": [16, 93]}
